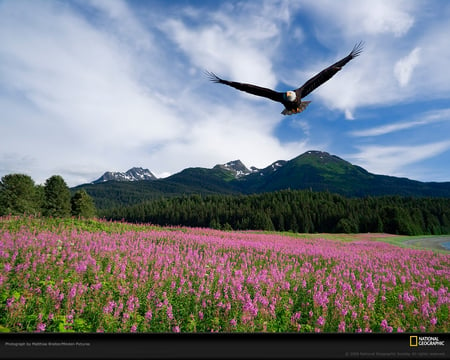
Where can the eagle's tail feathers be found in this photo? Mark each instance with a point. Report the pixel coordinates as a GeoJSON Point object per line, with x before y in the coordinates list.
{"type": "Point", "coordinates": [303, 105]}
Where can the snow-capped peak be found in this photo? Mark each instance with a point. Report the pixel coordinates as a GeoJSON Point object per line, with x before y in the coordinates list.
{"type": "Point", "coordinates": [134, 174]}
{"type": "Point", "coordinates": [236, 167]}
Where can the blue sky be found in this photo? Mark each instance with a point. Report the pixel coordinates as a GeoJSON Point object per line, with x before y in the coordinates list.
{"type": "Point", "coordinates": [92, 86]}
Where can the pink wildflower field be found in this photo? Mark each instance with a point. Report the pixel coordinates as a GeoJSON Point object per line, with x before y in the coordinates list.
{"type": "Point", "coordinates": [114, 278]}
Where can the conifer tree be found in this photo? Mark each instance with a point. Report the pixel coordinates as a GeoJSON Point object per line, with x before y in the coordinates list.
{"type": "Point", "coordinates": [57, 197]}
{"type": "Point", "coordinates": [18, 195]}
{"type": "Point", "coordinates": [82, 205]}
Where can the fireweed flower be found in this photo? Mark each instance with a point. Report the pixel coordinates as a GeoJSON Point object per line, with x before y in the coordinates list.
{"type": "Point", "coordinates": [132, 303]}
{"type": "Point", "coordinates": [169, 312]}
{"type": "Point", "coordinates": [40, 327]}
{"type": "Point", "coordinates": [73, 292]}
{"type": "Point", "coordinates": [108, 309]}
{"type": "Point", "coordinates": [7, 267]}
{"type": "Point", "coordinates": [296, 316]}
{"type": "Point", "coordinates": [228, 276]}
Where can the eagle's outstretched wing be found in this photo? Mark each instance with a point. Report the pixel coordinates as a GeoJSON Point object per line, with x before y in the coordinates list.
{"type": "Point", "coordinates": [328, 73]}
{"type": "Point", "coordinates": [252, 89]}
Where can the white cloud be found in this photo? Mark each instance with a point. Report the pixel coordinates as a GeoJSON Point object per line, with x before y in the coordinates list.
{"type": "Point", "coordinates": [378, 77]}
{"type": "Point", "coordinates": [404, 67]}
{"type": "Point", "coordinates": [349, 115]}
{"type": "Point", "coordinates": [87, 87]}
{"type": "Point", "coordinates": [425, 119]}
{"type": "Point", "coordinates": [212, 48]}
{"type": "Point", "coordinates": [303, 125]}
{"type": "Point", "coordinates": [356, 18]}
{"type": "Point", "coordinates": [84, 95]}
{"type": "Point", "coordinates": [236, 40]}
{"type": "Point", "coordinates": [392, 160]}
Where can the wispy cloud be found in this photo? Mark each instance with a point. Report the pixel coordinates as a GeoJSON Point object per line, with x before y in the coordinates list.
{"type": "Point", "coordinates": [404, 67]}
{"type": "Point", "coordinates": [356, 18]}
{"type": "Point", "coordinates": [393, 160]}
{"type": "Point", "coordinates": [425, 119]}
{"type": "Point", "coordinates": [238, 40]}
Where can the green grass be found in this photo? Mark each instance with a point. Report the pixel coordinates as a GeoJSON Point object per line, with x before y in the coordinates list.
{"type": "Point", "coordinates": [16, 223]}
{"type": "Point", "coordinates": [180, 270]}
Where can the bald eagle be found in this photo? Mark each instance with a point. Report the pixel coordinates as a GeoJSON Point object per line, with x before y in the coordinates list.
{"type": "Point", "coordinates": [292, 99]}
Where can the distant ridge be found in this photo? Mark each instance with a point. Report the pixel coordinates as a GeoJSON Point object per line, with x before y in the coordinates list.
{"type": "Point", "coordinates": [313, 170]}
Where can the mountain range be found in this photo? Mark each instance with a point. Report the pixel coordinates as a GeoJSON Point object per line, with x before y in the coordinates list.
{"type": "Point", "coordinates": [313, 170]}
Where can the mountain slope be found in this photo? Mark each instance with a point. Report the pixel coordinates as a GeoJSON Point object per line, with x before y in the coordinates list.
{"type": "Point", "coordinates": [236, 167]}
{"type": "Point", "coordinates": [313, 170]}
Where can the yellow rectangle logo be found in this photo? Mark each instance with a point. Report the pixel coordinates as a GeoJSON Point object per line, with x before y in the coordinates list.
{"type": "Point", "coordinates": [413, 341]}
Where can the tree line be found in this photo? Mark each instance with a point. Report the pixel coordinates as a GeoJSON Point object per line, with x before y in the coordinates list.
{"type": "Point", "coordinates": [295, 210]}
{"type": "Point", "coordinates": [19, 195]}
{"type": "Point", "coordinates": [285, 210]}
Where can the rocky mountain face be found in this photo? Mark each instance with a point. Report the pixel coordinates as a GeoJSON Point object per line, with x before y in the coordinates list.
{"type": "Point", "coordinates": [236, 167]}
{"type": "Point", "coordinates": [134, 174]}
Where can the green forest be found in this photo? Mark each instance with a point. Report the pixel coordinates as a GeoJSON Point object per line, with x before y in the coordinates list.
{"type": "Point", "coordinates": [302, 211]}
{"type": "Point", "coordinates": [19, 195]}
{"type": "Point", "coordinates": [295, 210]}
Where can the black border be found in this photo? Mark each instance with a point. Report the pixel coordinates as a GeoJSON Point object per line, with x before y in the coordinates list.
{"type": "Point", "coordinates": [219, 346]}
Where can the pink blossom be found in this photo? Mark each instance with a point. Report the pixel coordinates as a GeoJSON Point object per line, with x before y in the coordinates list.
{"type": "Point", "coordinates": [73, 292]}
{"type": "Point", "coordinates": [259, 278]}
{"type": "Point", "coordinates": [40, 327]}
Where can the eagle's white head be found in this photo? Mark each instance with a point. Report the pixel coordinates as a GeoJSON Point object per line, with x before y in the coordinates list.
{"type": "Point", "coordinates": [290, 95]}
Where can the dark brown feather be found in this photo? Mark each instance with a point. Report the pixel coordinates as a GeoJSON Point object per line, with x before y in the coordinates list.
{"type": "Point", "coordinates": [327, 73]}
{"type": "Point", "coordinates": [249, 88]}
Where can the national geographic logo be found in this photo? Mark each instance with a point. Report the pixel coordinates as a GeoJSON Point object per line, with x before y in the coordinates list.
{"type": "Point", "coordinates": [415, 341]}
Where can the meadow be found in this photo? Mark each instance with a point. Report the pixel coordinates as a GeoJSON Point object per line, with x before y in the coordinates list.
{"type": "Point", "coordinates": [69, 275]}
